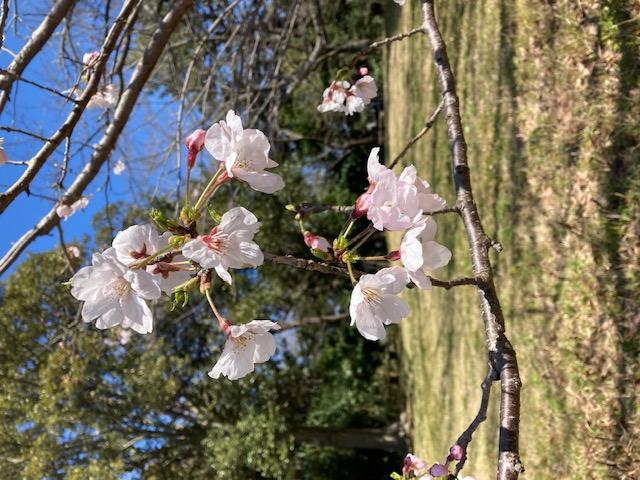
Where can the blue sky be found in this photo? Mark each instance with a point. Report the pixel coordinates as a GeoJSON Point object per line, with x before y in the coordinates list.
{"type": "Point", "coordinates": [145, 146]}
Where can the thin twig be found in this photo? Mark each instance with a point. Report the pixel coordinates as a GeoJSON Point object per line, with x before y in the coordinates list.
{"type": "Point", "coordinates": [143, 70]}
{"type": "Point", "coordinates": [65, 250]}
{"type": "Point", "coordinates": [419, 135]}
{"type": "Point", "coordinates": [24, 132]}
{"type": "Point", "coordinates": [37, 40]}
{"type": "Point", "coordinates": [322, 267]}
{"type": "Point", "coordinates": [38, 85]}
{"type": "Point", "coordinates": [465, 438]}
{"type": "Point", "coordinates": [383, 42]}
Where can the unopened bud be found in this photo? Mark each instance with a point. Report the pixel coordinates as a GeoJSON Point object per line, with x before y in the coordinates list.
{"type": "Point", "coordinates": [363, 71]}
{"type": "Point", "coordinates": [316, 242]}
{"type": "Point", "coordinates": [438, 470]}
{"type": "Point", "coordinates": [395, 255]}
{"type": "Point", "coordinates": [362, 205]}
{"type": "Point", "coordinates": [194, 144]}
{"type": "Point", "coordinates": [455, 453]}
{"type": "Point", "coordinates": [162, 221]}
{"type": "Point", "coordinates": [290, 207]}
{"type": "Point", "coordinates": [88, 59]}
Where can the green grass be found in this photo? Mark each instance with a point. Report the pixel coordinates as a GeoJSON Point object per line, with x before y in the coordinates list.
{"type": "Point", "coordinates": [551, 110]}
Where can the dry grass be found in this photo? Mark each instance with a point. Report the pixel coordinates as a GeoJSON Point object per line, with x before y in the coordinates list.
{"type": "Point", "coordinates": [551, 105]}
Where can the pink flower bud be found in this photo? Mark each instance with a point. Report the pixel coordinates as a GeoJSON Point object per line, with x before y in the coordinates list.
{"type": "Point", "coordinates": [194, 144]}
{"type": "Point", "coordinates": [316, 241]}
{"type": "Point", "coordinates": [413, 464]}
{"type": "Point", "coordinates": [395, 255]}
{"type": "Point", "coordinates": [362, 205]}
{"type": "Point", "coordinates": [438, 470]}
{"type": "Point", "coordinates": [363, 71]}
{"type": "Point", "coordinates": [89, 58]}
{"type": "Point", "coordinates": [455, 453]}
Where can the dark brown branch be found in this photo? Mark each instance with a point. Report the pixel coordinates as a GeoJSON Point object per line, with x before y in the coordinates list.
{"type": "Point", "coordinates": [321, 267]}
{"type": "Point", "coordinates": [383, 42]}
{"type": "Point", "coordinates": [465, 438]}
{"type": "Point", "coordinates": [143, 70]}
{"type": "Point", "coordinates": [24, 132]}
{"type": "Point", "coordinates": [501, 353]}
{"type": "Point", "coordinates": [38, 85]}
{"type": "Point", "coordinates": [419, 135]}
{"type": "Point", "coordinates": [40, 36]}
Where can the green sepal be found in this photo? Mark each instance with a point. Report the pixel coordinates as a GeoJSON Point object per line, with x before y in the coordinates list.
{"type": "Point", "coordinates": [322, 255]}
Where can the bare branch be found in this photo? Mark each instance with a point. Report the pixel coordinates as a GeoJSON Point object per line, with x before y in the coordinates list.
{"type": "Point", "coordinates": [143, 70]}
{"type": "Point", "coordinates": [3, 19]}
{"type": "Point", "coordinates": [39, 37]}
{"type": "Point", "coordinates": [22, 184]}
{"type": "Point", "coordinates": [419, 135]}
{"type": "Point", "coordinates": [465, 438]}
{"type": "Point", "coordinates": [501, 353]}
{"type": "Point", "coordinates": [322, 267]}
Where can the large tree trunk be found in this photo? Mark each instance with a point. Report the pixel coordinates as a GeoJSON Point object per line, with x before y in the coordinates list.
{"type": "Point", "coordinates": [388, 438]}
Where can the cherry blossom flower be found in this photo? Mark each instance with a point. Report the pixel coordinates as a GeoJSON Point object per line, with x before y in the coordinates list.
{"type": "Point", "coordinates": [88, 59]}
{"type": "Point", "coordinates": [419, 252]}
{"type": "Point", "coordinates": [365, 88]}
{"type": "Point", "coordinates": [105, 98]}
{"type": "Point", "coordinates": [65, 211]}
{"type": "Point", "coordinates": [417, 194]}
{"type": "Point", "coordinates": [334, 97]}
{"type": "Point", "coordinates": [3, 155]}
{"type": "Point", "coordinates": [244, 152]}
{"type": "Point", "coordinates": [343, 97]}
{"type": "Point", "coordinates": [137, 243]}
{"type": "Point", "coordinates": [414, 465]}
{"type": "Point", "coordinates": [363, 71]}
{"type": "Point", "coordinates": [73, 251]}
{"type": "Point", "coordinates": [140, 241]}
{"type": "Point", "coordinates": [115, 295]}
{"type": "Point", "coordinates": [246, 345]}
{"type": "Point", "coordinates": [387, 208]}
{"type": "Point", "coordinates": [375, 302]}
{"type": "Point", "coordinates": [119, 167]}
{"type": "Point", "coordinates": [194, 144]}
{"type": "Point", "coordinates": [316, 242]}
{"type": "Point", "coordinates": [375, 170]}
{"type": "Point", "coordinates": [228, 245]}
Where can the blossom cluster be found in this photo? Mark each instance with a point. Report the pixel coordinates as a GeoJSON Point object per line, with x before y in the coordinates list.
{"type": "Point", "coordinates": [343, 97]}
{"type": "Point", "coordinates": [143, 263]}
{"type": "Point", "coordinates": [394, 203]}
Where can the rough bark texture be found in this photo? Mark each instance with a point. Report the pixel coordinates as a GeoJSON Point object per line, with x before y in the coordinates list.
{"type": "Point", "coordinates": [501, 354]}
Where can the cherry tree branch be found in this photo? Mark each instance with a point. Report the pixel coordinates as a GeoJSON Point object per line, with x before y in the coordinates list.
{"type": "Point", "coordinates": [418, 135]}
{"type": "Point", "coordinates": [143, 70]}
{"type": "Point", "coordinates": [39, 37]}
{"type": "Point", "coordinates": [4, 13]}
{"type": "Point", "coordinates": [65, 130]}
{"type": "Point", "coordinates": [465, 438]}
{"type": "Point", "coordinates": [322, 267]}
{"type": "Point", "coordinates": [501, 354]}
